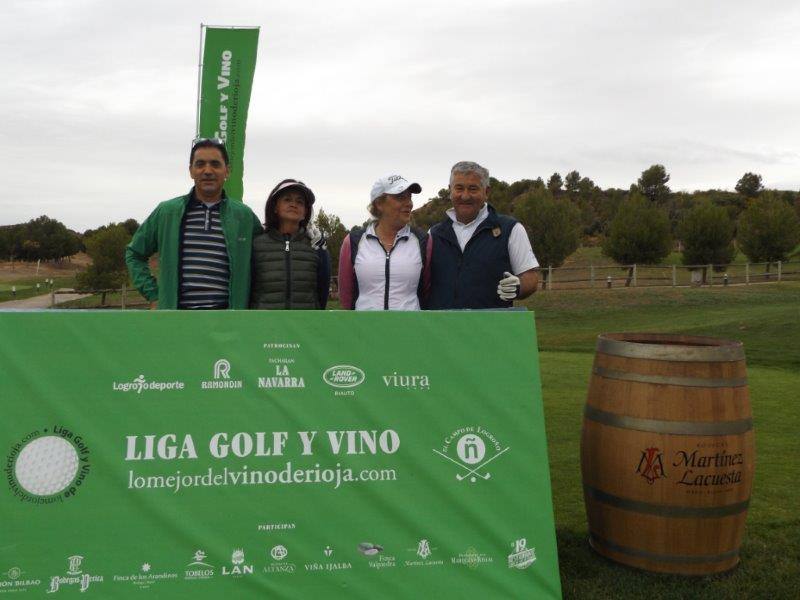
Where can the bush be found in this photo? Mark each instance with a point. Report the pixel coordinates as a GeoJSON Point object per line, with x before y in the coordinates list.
{"type": "Point", "coordinates": [552, 224]}
{"type": "Point", "coordinates": [107, 251]}
{"type": "Point", "coordinates": [768, 230]}
{"type": "Point", "coordinates": [639, 233]}
{"type": "Point", "coordinates": [707, 234]}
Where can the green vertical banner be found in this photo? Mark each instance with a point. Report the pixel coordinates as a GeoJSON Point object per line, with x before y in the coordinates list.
{"type": "Point", "coordinates": [274, 454]}
{"type": "Point", "coordinates": [229, 62]}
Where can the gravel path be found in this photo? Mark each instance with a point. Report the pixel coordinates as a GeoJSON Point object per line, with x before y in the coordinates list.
{"type": "Point", "coordinates": [42, 301]}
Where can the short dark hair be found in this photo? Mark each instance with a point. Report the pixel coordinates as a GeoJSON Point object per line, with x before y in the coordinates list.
{"type": "Point", "coordinates": [209, 143]}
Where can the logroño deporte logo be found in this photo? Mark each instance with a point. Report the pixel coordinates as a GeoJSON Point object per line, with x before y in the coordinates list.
{"type": "Point", "coordinates": [141, 384]}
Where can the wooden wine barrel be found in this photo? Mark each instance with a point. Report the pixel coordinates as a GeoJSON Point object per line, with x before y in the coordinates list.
{"type": "Point", "coordinates": [667, 452]}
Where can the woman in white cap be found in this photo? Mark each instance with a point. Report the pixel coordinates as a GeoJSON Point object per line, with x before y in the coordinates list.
{"type": "Point", "coordinates": [385, 266]}
{"type": "Point", "coordinates": [291, 265]}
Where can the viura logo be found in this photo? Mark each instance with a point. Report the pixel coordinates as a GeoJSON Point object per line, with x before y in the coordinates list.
{"type": "Point", "coordinates": [407, 382]}
{"type": "Point", "coordinates": [343, 376]}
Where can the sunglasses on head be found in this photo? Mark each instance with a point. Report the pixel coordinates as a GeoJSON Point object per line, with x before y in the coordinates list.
{"type": "Point", "coordinates": [213, 140]}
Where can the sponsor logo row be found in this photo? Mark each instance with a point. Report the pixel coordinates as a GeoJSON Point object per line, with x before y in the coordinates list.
{"type": "Point", "coordinates": [283, 375]}
{"type": "Point", "coordinates": [276, 559]}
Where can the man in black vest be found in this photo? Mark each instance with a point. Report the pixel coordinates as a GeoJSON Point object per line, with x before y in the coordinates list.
{"type": "Point", "coordinates": [480, 259]}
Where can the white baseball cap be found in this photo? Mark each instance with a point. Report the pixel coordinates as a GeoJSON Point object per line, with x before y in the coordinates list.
{"type": "Point", "coordinates": [392, 184]}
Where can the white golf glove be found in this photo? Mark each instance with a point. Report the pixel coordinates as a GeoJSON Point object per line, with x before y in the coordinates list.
{"type": "Point", "coordinates": [317, 238]}
{"type": "Point", "coordinates": [508, 288]}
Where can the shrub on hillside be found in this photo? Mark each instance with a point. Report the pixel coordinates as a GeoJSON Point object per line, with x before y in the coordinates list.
{"type": "Point", "coordinates": [707, 234]}
{"type": "Point", "coordinates": [553, 225]}
{"type": "Point", "coordinates": [638, 234]}
{"type": "Point", "coordinates": [106, 248]}
{"type": "Point", "coordinates": [768, 230]}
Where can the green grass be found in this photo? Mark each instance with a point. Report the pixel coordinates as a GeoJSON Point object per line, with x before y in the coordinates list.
{"type": "Point", "coordinates": [26, 288]}
{"type": "Point", "coordinates": [767, 319]}
{"type": "Point", "coordinates": [113, 300]}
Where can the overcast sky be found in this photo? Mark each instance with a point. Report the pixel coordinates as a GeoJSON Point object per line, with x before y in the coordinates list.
{"type": "Point", "coordinates": [98, 97]}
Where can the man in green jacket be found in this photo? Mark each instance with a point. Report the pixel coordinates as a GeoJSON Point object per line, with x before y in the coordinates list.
{"type": "Point", "coordinates": [203, 240]}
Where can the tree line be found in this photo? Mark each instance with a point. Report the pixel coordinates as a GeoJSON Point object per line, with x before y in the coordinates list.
{"type": "Point", "coordinates": [39, 239]}
{"type": "Point", "coordinates": [640, 225]}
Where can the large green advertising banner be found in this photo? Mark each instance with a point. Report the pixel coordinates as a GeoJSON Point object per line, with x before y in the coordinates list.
{"type": "Point", "coordinates": [274, 454]}
{"type": "Point", "coordinates": [229, 63]}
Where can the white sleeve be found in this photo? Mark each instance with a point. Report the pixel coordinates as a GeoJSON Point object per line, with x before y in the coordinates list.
{"type": "Point", "coordinates": [520, 251]}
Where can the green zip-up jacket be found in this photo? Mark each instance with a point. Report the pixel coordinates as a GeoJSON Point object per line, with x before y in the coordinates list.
{"type": "Point", "coordinates": [161, 232]}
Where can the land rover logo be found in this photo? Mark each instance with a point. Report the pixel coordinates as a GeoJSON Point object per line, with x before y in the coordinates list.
{"type": "Point", "coordinates": [343, 376]}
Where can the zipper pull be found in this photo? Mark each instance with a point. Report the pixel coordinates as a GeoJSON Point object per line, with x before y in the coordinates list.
{"type": "Point", "coordinates": [287, 245]}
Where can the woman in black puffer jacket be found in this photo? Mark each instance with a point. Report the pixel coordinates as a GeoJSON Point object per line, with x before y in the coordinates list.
{"type": "Point", "coordinates": [291, 265]}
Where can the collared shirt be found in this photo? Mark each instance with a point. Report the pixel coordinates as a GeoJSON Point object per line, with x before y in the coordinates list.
{"type": "Point", "coordinates": [402, 266]}
{"type": "Point", "coordinates": [519, 245]}
{"type": "Point", "coordinates": [204, 270]}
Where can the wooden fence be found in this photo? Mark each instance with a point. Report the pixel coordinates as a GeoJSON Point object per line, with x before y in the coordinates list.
{"type": "Point", "coordinates": [588, 277]}
{"type": "Point", "coordinates": [570, 278]}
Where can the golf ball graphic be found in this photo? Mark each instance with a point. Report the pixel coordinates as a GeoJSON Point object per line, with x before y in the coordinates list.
{"type": "Point", "coordinates": [46, 465]}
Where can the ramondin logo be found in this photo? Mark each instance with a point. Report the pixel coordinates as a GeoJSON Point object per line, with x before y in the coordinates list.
{"type": "Point", "coordinates": [140, 384]}
{"type": "Point", "coordinates": [47, 466]}
{"type": "Point", "coordinates": [222, 369]}
{"type": "Point", "coordinates": [222, 378]}
{"type": "Point", "coordinates": [343, 376]}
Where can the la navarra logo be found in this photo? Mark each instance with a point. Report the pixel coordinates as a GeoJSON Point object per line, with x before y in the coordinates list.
{"type": "Point", "coordinates": [282, 369]}
{"type": "Point", "coordinates": [282, 378]}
